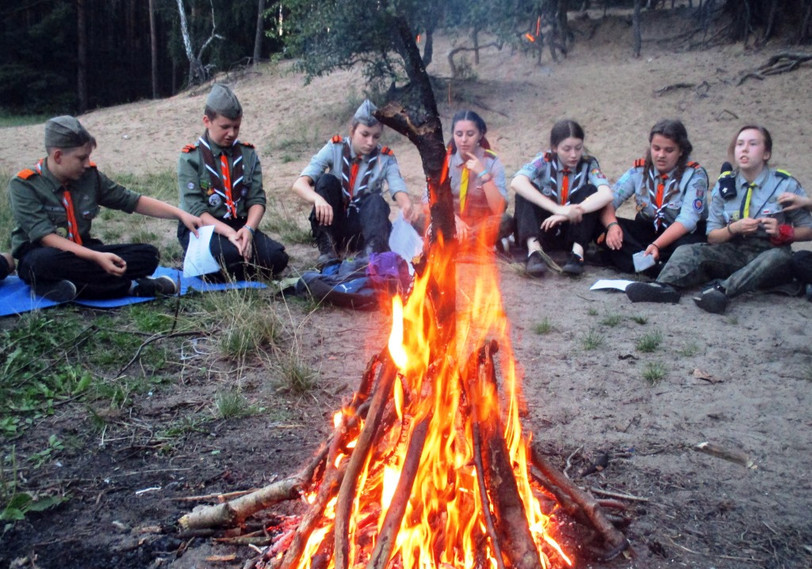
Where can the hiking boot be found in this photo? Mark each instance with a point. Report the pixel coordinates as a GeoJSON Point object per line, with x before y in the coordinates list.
{"type": "Point", "coordinates": [57, 291]}
{"type": "Point", "coordinates": [155, 286]}
{"type": "Point", "coordinates": [575, 265]}
{"type": "Point", "coordinates": [713, 299]}
{"type": "Point", "coordinates": [535, 267]}
{"type": "Point", "coordinates": [652, 292]}
{"type": "Point", "coordinates": [502, 248]}
{"type": "Point", "coordinates": [327, 249]}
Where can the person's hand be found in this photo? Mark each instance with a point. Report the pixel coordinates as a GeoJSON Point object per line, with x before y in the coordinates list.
{"type": "Point", "coordinates": [770, 225]}
{"type": "Point", "coordinates": [473, 164]}
{"type": "Point", "coordinates": [614, 237]}
{"type": "Point", "coordinates": [653, 250]}
{"type": "Point", "coordinates": [192, 222]}
{"type": "Point", "coordinates": [790, 201]}
{"type": "Point", "coordinates": [245, 240]}
{"type": "Point", "coordinates": [407, 208]}
{"type": "Point", "coordinates": [324, 211]}
{"type": "Point", "coordinates": [745, 226]}
{"type": "Point", "coordinates": [111, 263]}
{"type": "Point", "coordinates": [573, 213]}
{"type": "Point", "coordinates": [463, 231]}
{"type": "Point", "coordinates": [552, 221]}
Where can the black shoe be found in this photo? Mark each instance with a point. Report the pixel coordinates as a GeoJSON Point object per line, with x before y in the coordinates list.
{"type": "Point", "coordinates": [57, 291]}
{"type": "Point", "coordinates": [652, 292]}
{"type": "Point", "coordinates": [809, 292]}
{"type": "Point", "coordinates": [712, 299]}
{"type": "Point", "coordinates": [535, 266]}
{"type": "Point", "coordinates": [575, 265]}
{"type": "Point", "coordinates": [152, 286]}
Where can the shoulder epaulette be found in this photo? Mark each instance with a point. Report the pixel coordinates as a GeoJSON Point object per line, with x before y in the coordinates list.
{"type": "Point", "coordinates": [548, 156]}
{"type": "Point", "coordinates": [93, 165]}
{"type": "Point", "coordinates": [26, 174]}
{"type": "Point", "coordinates": [490, 153]}
{"type": "Point", "coordinates": [189, 147]}
{"type": "Point", "coordinates": [336, 139]}
{"type": "Point", "coordinates": [782, 174]}
{"type": "Point", "coordinates": [694, 165]}
{"type": "Point", "coordinates": [248, 144]}
{"type": "Point", "coordinates": [388, 151]}
{"type": "Point", "coordinates": [640, 162]}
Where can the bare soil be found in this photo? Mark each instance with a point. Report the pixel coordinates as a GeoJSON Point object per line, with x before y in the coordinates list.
{"type": "Point", "coordinates": [741, 381]}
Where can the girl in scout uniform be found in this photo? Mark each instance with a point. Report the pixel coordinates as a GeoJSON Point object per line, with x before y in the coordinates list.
{"type": "Point", "coordinates": [749, 232]}
{"type": "Point", "coordinates": [558, 197]}
{"type": "Point", "coordinates": [344, 183]}
{"type": "Point", "coordinates": [477, 179]}
{"type": "Point", "coordinates": [670, 194]}
{"type": "Point", "coordinates": [54, 205]}
{"type": "Point", "coordinates": [220, 180]}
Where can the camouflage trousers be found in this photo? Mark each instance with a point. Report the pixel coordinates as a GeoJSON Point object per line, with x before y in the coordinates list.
{"type": "Point", "coordinates": [745, 265]}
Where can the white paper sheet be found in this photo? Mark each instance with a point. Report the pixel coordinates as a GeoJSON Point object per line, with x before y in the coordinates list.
{"type": "Point", "coordinates": [404, 240]}
{"type": "Point", "coordinates": [616, 284]}
{"type": "Point", "coordinates": [199, 260]}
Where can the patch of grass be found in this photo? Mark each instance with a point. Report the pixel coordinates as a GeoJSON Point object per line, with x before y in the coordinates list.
{"type": "Point", "coordinates": [184, 425]}
{"type": "Point", "coordinates": [649, 342]}
{"type": "Point", "coordinates": [159, 185]}
{"type": "Point", "coordinates": [7, 119]}
{"type": "Point", "coordinates": [543, 327]}
{"type": "Point", "coordinates": [232, 405]}
{"type": "Point", "coordinates": [592, 311]}
{"type": "Point", "coordinates": [611, 320]}
{"type": "Point", "coordinates": [689, 349]}
{"type": "Point", "coordinates": [291, 226]}
{"type": "Point", "coordinates": [296, 374]}
{"type": "Point", "coordinates": [654, 372]}
{"type": "Point", "coordinates": [592, 339]}
{"type": "Point", "coordinates": [640, 319]}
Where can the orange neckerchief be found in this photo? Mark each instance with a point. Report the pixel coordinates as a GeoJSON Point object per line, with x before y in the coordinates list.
{"type": "Point", "coordinates": [565, 185]}
{"type": "Point", "coordinates": [73, 227]}
{"type": "Point", "coordinates": [226, 175]}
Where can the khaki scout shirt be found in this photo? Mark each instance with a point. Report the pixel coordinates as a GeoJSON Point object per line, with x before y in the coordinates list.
{"type": "Point", "coordinates": [36, 204]}
{"type": "Point", "coordinates": [194, 182]}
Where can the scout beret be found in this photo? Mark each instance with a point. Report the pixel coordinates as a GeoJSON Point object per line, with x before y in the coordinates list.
{"type": "Point", "coordinates": [223, 101]}
{"type": "Point", "coordinates": [66, 132]}
{"type": "Point", "coordinates": [364, 114]}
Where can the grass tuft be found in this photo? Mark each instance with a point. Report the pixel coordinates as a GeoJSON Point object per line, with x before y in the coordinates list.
{"type": "Point", "coordinates": [649, 342]}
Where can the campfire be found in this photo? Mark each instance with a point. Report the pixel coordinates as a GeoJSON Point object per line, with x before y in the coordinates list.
{"type": "Point", "coordinates": [428, 464]}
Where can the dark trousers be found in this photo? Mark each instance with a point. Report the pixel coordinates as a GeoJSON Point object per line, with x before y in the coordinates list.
{"type": "Point", "coordinates": [47, 264]}
{"type": "Point", "coordinates": [268, 258]}
{"type": "Point", "coordinates": [802, 266]}
{"type": "Point", "coordinates": [529, 218]}
{"type": "Point", "coordinates": [638, 234]}
{"type": "Point", "coordinates": [364, 224]}
{"type": "Point", "coordinates": [5, 269]}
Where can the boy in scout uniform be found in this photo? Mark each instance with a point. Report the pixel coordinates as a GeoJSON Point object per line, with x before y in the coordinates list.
{"type": "Point", "coordinates": [344, 182]}
{"type": "Point", "coordinates": [220, 180]}
{"type": "Point", "coordinates": [54, 205]}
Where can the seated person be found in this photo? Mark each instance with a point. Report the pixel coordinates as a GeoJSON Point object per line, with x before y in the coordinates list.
{"type": "Point", "coordinates": [477, 180]}
{"type": "Point", "coordinates": [749, 232]}
{"type": "Point", "coordinates": [670, 192]}
{"type": "Point", "coordinates": [558, 197]}
{"type": "Point", "coordinates": [54, 205]}
{"type": "Point", "coordinates": [6, 265]}
{"type": "Point", "coordinates": [344, 182]}
{"type": "Point", "coordinates": [220, 180]}
{"type": "Point", "coordinates": [801, 260]}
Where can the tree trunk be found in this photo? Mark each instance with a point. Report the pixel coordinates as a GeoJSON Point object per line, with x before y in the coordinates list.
{"type": "Point", "coordinates": [260, 30]}
{"type": "Point", "coordinates": [81, 55]}
{"type": "Point", "coordinates": [153, 49]}
{"type": "Point", "coordinates": [638, 40]}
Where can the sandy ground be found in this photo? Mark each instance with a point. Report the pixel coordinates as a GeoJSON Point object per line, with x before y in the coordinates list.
{"type": "Point", "coordinates": [741, 381]}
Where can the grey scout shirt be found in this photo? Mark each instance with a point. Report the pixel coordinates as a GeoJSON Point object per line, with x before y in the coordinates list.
{"type": "Point", "coordinates": [329, 160]}
{"type": "Point", "coordinates": [770, 184]}
{"type": "Point", "coordinates": [196, 193]}
{"type": "Point", "coordinates": [546, 174]}
{"type": "Point", "coordinates": [36, 204]}
{"type": "Point", "coordinates": [683, 200]}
